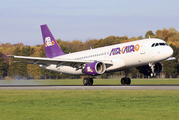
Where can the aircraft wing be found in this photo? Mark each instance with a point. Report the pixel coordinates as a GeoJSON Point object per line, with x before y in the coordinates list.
{"type": "Point", "coordinates": [171, 58]}
{"type": "Point", "coordinates": [57, 61]}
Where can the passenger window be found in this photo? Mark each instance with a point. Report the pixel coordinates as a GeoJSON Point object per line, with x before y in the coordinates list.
{"type": "Point", "coordinates": [156, 44]}
{"type": "Point", "coordinates": [153, 44]}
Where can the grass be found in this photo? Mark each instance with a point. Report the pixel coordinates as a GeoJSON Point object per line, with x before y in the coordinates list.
{"type": "Point", "coordinates": [84, 104]}
{"type": "Point", "coordinates": [96, 82]}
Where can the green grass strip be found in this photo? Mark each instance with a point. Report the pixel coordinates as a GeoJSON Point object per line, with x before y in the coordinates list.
{"type": "Point", "coordinates": [88, 105]}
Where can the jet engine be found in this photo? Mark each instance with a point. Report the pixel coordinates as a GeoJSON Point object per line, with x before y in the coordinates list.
{"type": "Point", "coordinates": [151, 69]}
{"type": "Point", "coordinates": [95, 68]}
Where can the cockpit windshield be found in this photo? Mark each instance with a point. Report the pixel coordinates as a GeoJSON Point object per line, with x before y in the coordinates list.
{"type": "Point", "coordinates": [156, 44]}
{"type": "Point", "coordinates": [159, 44]}
{"type": "Point", "coordinates": [166, 44]}
{"type": "Point", "coordinates": [162, 44]}
{"type": "Point", "coordinates": [153, 44]}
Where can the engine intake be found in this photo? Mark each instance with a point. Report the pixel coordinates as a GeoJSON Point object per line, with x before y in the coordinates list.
{"type": "Point", "coordinates": [95, 68]}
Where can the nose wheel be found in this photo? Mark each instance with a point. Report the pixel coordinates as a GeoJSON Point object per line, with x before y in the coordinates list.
{"type": "Point", "coordinates": [126, 81]}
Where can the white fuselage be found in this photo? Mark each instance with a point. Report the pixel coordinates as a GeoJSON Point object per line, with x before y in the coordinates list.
{"type": "Point", "coordinates": [122, 56]}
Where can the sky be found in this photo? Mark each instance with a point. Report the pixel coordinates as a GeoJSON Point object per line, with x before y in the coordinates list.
{"type": "Point", "coordinates": [83, 20]}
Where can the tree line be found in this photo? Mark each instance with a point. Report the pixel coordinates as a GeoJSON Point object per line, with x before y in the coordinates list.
{"type": "Point", "coordinates": [12, 70]}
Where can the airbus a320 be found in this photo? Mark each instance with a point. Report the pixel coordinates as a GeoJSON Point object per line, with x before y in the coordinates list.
{"type": "Point", "coordinates": [145, 55]}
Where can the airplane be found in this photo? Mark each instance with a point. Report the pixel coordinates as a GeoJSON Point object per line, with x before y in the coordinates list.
{"type": "Point", "coordinates": [145, 55]}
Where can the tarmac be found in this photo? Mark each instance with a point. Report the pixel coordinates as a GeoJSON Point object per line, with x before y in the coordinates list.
{"type": "Point", "coordinates": [94, 87]}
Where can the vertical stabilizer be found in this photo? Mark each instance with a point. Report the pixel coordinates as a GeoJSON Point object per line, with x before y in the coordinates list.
{"type": "Point", "coordinates": [52, 48]}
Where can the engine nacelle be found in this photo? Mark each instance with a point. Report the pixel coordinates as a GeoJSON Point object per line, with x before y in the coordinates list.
{"type": "Point", "coordinates": [95, 68]}
{"type": "Point", "coordinates": [147, 70]}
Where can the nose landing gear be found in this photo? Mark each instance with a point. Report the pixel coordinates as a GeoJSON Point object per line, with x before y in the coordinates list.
{"type": "Point", "coordinates": [152, 66]}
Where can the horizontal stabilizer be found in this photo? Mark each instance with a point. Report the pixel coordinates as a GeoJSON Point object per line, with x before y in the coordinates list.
{"type": "Point", "coordinates": [4, 56]}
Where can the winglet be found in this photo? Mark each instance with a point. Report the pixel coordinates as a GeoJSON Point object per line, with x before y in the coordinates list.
{"type": "Point", "coordinates": [51, 46]}
{"type": "Point", "coordinates": [4, 56]}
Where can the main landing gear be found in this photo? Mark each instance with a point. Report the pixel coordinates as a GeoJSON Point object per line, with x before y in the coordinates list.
{"type": "Point", "coordinates": [125, 81]}
{"type": "Point", "coordinates": [88, 81]}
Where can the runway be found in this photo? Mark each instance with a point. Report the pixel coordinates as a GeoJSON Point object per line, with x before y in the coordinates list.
{"type": "Point", "coordinates": [94, 87]}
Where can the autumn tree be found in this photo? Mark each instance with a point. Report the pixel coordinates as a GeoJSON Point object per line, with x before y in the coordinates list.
{"type": "Point", "coordinates": [170, 68]}
{"type": "Point", "coordinates": [3, 66]}
{"type": "Point", "coordinates": [89, 44]}
{"type": "Point", "coordinates": [34, 71]}
{"type": "Point", "coordinates": [172, 31]}
{"type": "Point", "coordinates": [159, 34]}
{"type": "Point", "coordinates": [20, 69]}
{"type": "Point", "coordinates": [149, 34]}
{"type": "Point", "coordinates": [165, 35]}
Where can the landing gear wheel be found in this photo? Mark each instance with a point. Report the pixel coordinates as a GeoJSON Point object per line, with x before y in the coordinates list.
{"type": "Point", "coordinates": [151, 74]}
{"type": "Point", "coordinates": [126, 81]}
{"type": "Point", "coordinates": [85, 81]}
{"type": "Point", "coordinates": [123, 81]}
{"type": "Point", "coordinates": [90, 81]}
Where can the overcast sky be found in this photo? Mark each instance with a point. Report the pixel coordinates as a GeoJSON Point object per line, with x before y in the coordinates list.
{"type": "Point", "coordinates": [70, 20]}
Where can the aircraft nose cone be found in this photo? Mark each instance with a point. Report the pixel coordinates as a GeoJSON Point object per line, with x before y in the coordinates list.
{"type": "Point", "coordinates": [168, 52]}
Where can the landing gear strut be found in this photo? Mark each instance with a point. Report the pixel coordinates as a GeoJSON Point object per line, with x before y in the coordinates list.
{"type": "Point", "coordinates": [152, 66]}
{"type": "Point", "coordinates": [88, 81]}
{"type": "Point", "coordinates": [126, 81]}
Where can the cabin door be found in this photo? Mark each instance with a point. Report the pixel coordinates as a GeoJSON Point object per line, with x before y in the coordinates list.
{"type": "Point", "coordinates": [142, 48]}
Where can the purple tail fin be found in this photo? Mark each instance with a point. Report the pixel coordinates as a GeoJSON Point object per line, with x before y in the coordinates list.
{"type": "Point", "coordinates": [51, 46]}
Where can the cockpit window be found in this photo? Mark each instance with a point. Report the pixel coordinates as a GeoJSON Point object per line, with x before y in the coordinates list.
{"type": "Point", "coordinates": [162, 44]}
{"type": "Point", "coordinates": [156, 44]}
{"type": "Point", "coordinates": [166, 44]}
{"type": "Point", "coordinates": [153, 44]}
{"type": "Point", "coordinates": [159, 44]}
